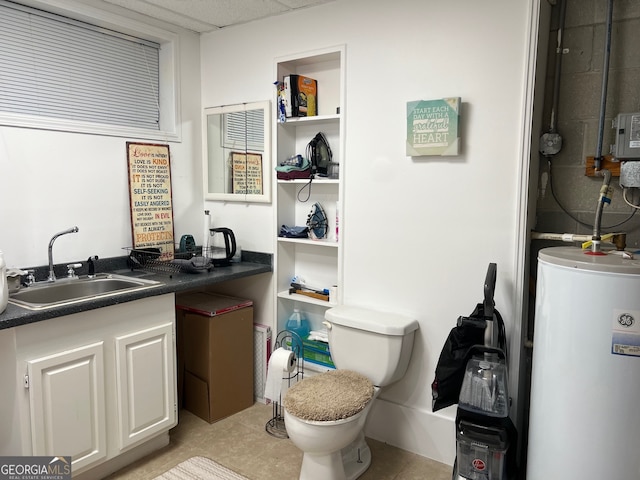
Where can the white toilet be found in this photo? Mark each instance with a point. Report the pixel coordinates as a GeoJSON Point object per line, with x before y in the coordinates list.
{"type": "Point", "coordinates": [325, 414]}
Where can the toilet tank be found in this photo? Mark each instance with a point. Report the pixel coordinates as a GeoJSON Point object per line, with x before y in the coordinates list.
{"type": "Point", "coordinates": [373, 343]}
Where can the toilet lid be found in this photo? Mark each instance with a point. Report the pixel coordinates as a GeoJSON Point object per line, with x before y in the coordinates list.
{"type": "Point", "coordinates": [329, 396]}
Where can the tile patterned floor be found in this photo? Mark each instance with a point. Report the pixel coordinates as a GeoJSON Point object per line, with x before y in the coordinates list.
{"type": "Point", "coordinates": [241, 443]}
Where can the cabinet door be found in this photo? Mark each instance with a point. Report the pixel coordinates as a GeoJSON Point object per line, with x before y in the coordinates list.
{"type": "Point", "coordinates": [145, 383]}
{"type": "Point", "coordinates": [66, 393]}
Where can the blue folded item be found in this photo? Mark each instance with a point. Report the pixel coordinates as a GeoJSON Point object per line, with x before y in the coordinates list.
{"type": "Point", "coordinates": [297, 162]}
{"type": "Point", "coordinates": [294, 232]}
{"type": "Point", "coordinates": [294, 167]}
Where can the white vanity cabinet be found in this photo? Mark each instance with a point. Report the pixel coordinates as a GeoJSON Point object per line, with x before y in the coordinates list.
{"type": "Point", "coordinates": [98, 384]}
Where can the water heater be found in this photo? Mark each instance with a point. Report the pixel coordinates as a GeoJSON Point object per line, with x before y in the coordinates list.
{"type": "Point", "coordinates": [585, 392]}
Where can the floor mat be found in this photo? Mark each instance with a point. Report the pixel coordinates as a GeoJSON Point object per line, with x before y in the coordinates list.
{"type": "Point", "coordinates": [200, 468]}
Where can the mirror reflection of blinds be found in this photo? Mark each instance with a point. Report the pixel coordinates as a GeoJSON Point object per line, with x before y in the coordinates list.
{"type": "Point", "coordinates": [57, 67]}
{"type": "Point", "coordinates": [244, 130]}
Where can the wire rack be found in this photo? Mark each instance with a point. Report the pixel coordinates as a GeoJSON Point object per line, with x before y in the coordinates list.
{"type": "Point", "coordinates": [150, 259]}
{"type": "Point", "coordinates": [291, 341]}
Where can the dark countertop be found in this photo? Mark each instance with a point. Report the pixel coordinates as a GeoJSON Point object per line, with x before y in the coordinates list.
{"type": "Point", "coordinates": [252, 264]}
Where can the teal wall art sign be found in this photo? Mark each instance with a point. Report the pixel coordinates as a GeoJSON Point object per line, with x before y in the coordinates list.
{"type": "Point", "coordinates": [432, 127]}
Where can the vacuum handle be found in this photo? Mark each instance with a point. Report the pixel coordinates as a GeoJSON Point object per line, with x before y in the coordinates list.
{"type": "Point", "coordinates": [489, 289]}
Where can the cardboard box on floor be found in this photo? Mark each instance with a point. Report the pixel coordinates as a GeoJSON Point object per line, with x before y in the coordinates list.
{"type": "Point", "coordinates": [215, 359]}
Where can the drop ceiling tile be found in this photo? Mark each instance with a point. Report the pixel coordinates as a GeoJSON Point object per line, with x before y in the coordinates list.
{"type": "Point", "coordinates": [169, 16]}
{"type": "Point", "coordinates": [223, 12]}
{"type": "Point", "coordinates": [293, 4]}
{"type": "Point", "coordinates": [207, 15]}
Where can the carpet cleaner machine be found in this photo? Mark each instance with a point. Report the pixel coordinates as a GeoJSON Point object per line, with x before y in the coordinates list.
{"type": "Point", "coordinates": [472, 372]}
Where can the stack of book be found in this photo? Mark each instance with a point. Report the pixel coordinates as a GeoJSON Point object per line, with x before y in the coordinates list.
{"type": "Point", "coordinates": [317, 352]}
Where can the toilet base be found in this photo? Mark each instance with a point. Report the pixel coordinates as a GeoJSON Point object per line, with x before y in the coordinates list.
{"type": "Point", "coordinates": [347, 464]}
{"type": "Point", "coordinates": [322, 467]}
{"type": "Point", "coordinates": [356, 457]}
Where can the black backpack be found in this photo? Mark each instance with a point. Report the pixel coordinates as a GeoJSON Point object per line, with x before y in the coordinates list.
{"type": "Point", "coordinates": [319, 153]}
{"type": "Point", "coordinates": [464, 340]}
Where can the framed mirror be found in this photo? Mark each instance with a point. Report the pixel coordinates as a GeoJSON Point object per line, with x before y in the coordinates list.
{"type": "Point", "coordinates": [237, 152]}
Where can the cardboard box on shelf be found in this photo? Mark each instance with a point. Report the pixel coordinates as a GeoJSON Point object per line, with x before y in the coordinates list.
{"type": "Point", "coordinates": [216, 356]}
{"type": "Point", "coordinates": [300, 96]}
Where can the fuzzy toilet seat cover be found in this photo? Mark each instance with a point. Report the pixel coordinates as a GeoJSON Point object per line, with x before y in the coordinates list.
{"type": "Point", "coordinates": [329, 396]}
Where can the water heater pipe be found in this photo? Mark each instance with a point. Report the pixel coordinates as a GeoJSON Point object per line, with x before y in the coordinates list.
{"type": "Point", "coordinates": [605, 81]}
{"type": "Point", "coordinates": [603, 198]}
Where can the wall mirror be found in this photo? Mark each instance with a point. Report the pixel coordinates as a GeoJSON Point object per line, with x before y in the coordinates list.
{"type": "Point", "coordinates": [237, 152]}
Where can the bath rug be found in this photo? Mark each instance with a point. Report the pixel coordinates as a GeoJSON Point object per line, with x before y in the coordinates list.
{"type": "Point", "coordinates": [200, 468]}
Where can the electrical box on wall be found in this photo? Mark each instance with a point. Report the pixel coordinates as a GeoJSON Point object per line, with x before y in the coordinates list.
{"type": "Point", "coordinates": [630, 175]}
{"type": "Point", "coordinates": [627, 127]}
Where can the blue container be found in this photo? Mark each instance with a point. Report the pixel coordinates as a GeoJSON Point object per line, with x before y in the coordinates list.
{"type": "Point", "coordinates": [299, 325]}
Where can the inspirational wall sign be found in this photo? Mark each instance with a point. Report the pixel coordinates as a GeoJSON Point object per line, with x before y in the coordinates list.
{"type": "Point", "coordinates": [432, 127]}
{"type": "Point", "coordinates": [150, 197]}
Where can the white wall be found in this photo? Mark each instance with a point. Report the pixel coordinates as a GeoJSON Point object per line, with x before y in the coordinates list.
{"type": "Point", "coordinates": [50, 181]}
{"type": "Point", "coordinates": [420, 232]}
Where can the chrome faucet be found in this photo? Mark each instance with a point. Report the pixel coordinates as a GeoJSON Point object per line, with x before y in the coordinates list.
{"type": "Point", "coordinates": [52, 275]}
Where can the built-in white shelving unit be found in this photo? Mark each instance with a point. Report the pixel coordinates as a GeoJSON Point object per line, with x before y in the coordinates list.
{"type": "Point", "coordinates": [318, 262]}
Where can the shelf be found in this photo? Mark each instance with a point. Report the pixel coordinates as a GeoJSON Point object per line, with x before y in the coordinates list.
{"type": "Point", "coordinates": [316, 181]}
{"type": "Point", "coordinates": [319, 56]}
{"type": "Point", "coordinates": [293, 121]}
{"type": "Point", "coordinates": [316, 367]}
{"type": "Point", "coordinates": [295, 297]}
{"type": "Point", "coordinates": [308, 241]}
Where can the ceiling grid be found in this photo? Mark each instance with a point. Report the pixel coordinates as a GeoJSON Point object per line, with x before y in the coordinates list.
{"type": "Point", "coordinates": [208, 15]}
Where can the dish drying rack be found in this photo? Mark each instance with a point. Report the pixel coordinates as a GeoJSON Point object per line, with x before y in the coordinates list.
{"type": "Point", "coordinates": [150, 259]}
{"type": "Point", "coordinates": [290, 341]}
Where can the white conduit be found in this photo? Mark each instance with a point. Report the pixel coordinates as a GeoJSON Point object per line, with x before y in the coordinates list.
{"type": "Point", "coordinates": [573, 237]}
{"type": "Point", "coordinates": [563, 237]}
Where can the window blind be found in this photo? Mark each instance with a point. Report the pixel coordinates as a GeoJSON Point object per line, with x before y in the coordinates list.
{"type": "Point", "coordinates": [244, 130]}
{"type": "Point", "coordinates": [53, 66]}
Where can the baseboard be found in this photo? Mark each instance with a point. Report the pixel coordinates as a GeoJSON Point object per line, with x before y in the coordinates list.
{"type": "Point", "coordinates": [425, 433]}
